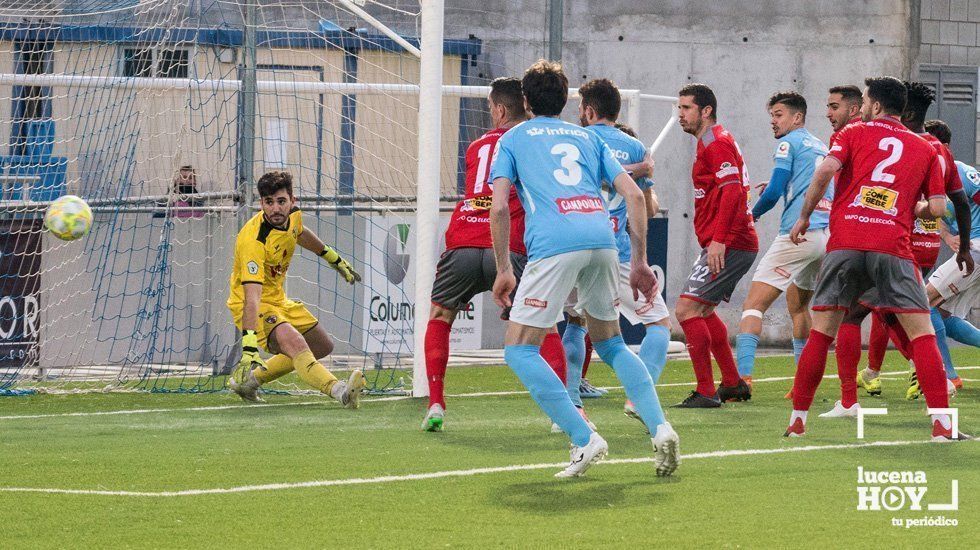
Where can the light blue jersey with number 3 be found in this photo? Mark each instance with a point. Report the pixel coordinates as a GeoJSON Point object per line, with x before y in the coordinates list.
{"type": "Point", "coordinates": [558, 169]}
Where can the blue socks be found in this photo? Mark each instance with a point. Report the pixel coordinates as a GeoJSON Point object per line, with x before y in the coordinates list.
{"type": "Point", "coordinates": [635, 378]}
{"type": "Point", "coordinates": [574, 343]}
{"type": "Point", "coordinates": [798, 344]}
{"type": "Point", "coordinates": [745, 344]}
{"type": "Point", "coordinates": [547, 390]}
{"type": "Point", "coordinates": [653, 350]}
{"type": "Point", "coordinates": [940, 328]}
{"type": "Point", "coordinates": [962, 331]}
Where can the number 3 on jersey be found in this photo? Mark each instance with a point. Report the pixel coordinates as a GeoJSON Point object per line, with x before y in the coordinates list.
{"type": "Point", "coordinates": [570, 173]}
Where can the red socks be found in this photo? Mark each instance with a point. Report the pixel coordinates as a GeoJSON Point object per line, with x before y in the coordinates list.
{"type": "Point", "coordinates": [554, 354]}
{"type": "Point", "coordinates": [699, 347]}
{"type": "Point", "coordinates": [588, 355]}
{"type": "Point", "coordinates": [929, 369]}
{"type": "Point", "coordinates": [436, 358]}
{"type": "Point", "coordinates": [901, 339]}
{"type": "Point", "coordinates": [877, 343]}
{"type": "Point", "coordinates": [848, 355]}
{"type": "Point", "coordinates": [813, 362]}
{"type": "Point", "coordinates": [722, 350]}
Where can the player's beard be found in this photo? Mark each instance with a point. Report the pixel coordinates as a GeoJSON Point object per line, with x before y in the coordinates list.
{"type": "Point", "coordinates": [276, 220]}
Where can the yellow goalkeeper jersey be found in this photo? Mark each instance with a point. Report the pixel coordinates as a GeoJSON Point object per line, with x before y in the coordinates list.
{"type": "Point", "coordinates": [262, 256]}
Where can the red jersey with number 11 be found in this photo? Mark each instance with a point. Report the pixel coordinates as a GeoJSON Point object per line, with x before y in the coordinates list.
{"type": "Point", "coordinates": [885, 170]}
{"type": "Point", "coordinates": [469, 226]}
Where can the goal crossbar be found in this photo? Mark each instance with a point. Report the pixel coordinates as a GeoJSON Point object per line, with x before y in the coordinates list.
{"type": "Point", "coordinates": [232, 85]}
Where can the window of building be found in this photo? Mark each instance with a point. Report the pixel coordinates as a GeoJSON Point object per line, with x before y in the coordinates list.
{"type": "Point", "coordinates": [32, 104]}
{"type": "Point", "coordinates": [156, 62]}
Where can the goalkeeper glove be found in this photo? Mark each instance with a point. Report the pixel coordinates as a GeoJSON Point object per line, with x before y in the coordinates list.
{"type": "Point", "coordinates": [250, 357]}
{"type": "Point", "coordinates": [341, 265]}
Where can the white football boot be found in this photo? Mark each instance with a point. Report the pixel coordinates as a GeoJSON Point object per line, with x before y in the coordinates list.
{"type": "Point", "coordinates": [839, 411]}
{"type": "Point", "coordinates": [583, 457]}
{"type": "Point", "coordinates": [349, 392]}
{"type": "Point", "coordinates": [666, 450]}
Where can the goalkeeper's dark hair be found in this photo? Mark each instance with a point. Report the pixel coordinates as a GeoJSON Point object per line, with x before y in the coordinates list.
{"type": "Point", "coordinates": [626, 129]}
{"type": "Point", "coordinates": [940, 130]}
{"type": "Point", "coordinates": [889, 92]}
{"type": "Point", "coordinates": [703, 97]}
{"type": "Point", "coordinates": [793, 100]}
{"type": "Point", "coordinates": [919, 98]}
{"type": "Point", "coordinates": [603, 96]}
{"type": "Point", "coordinates": [271, 182]}
{"type": "Point", "coordinates": [545, 87]}
{"type": "Point", "coordinates": [848, 93]}
{"type": "Point", "coordinates": [506, 91]}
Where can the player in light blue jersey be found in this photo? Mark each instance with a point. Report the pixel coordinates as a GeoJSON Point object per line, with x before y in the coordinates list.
{"type": "Point", "coordinates": [953, 294]}
{"type": "Point", "coordinates": [786, 267]}
{"type": "Point", "coordinates": [970, 177]}
{"type": "Point", "coordinates": [558, 169]}
{"type": "Point", "coordinates": [598, 110]}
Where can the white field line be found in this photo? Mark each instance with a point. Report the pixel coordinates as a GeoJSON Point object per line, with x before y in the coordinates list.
{"type": "Point", "coordinates": [375, 400]}
{"type": "Point", "coordinates": [443, 474]}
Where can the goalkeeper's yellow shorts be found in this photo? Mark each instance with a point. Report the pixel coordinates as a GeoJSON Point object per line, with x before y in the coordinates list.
{"type": "Point", "coordinates": [273, 315]}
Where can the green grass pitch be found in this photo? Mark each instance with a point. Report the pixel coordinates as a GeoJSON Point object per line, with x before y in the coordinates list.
{"type": "Point", "coordinates": [787, 499]}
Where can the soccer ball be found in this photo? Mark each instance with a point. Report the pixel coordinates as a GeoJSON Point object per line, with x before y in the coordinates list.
{"type": "Point", "coordinates": [68, 218]}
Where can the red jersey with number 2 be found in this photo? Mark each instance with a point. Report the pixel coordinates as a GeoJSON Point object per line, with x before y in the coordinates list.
{"type": "Point", "coordinates": [469, 226]}
{"type": "Point", "coordinates": [885, 170]}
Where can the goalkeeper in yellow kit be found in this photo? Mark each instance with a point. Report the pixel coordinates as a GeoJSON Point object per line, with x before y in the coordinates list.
{"type": "Point", "coordinates": [261, 310]}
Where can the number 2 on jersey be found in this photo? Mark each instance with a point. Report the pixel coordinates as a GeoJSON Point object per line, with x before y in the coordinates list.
{"type": "Point", "coordinates": [894, 146]}
{"type": "Point", "coordinates": [570, 173]}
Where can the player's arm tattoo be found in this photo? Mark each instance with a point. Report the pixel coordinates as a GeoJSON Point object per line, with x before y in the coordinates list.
{"type": "Point", "coordinates": [500, 224]}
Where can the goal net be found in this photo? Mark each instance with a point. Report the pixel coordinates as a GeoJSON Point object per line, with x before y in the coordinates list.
{"type": "Point", "coordinates": [162, 114]}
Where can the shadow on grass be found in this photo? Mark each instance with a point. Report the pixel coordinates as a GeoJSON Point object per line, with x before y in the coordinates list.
{"type": "Point", "coordinates": [553, 497]}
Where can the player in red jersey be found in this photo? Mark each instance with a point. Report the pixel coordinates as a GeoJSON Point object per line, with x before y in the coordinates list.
{"type": "Point", "coordinates": [467, 267]}
{"type": "Point", "coordinates": [882, 169]}
{"type": "Point", "coordinates": [725, 231]}
{"type": "Point", "coordinates": [925, 242]}
{"type": "Point", "coordinates": [843, 108]}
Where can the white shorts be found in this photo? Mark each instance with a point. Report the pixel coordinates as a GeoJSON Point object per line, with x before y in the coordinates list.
{"type": "Point", "coordinates": [786, 263]}
{"type": "Point", "coordinates": [635, 311]}
{"type": "Point", "coordinates": [547, 282]}
{"type": "Point", "coordinates": [960, 293]}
